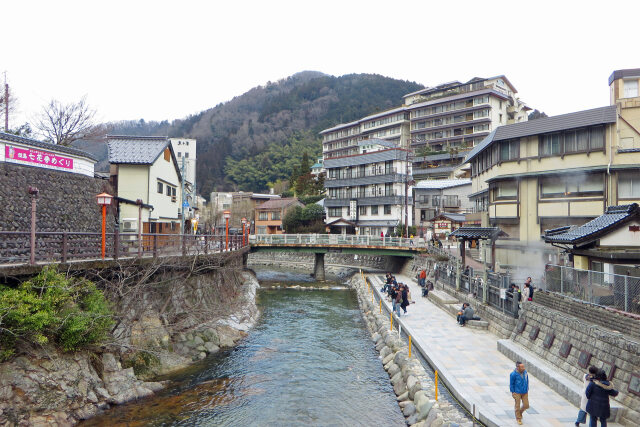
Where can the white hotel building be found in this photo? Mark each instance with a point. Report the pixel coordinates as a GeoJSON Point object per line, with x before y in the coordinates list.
{"type": "Point", "coordinates": [366, 191]}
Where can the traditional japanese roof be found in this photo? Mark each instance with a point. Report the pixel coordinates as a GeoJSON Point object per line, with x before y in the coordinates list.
{"type": "Point", "coordinates": [279, 203]}
{"type": "Point", "coordinates": [142, 150]}
{"type": "Point", "coordinates": [341, 222]}
{"type": "Point", "coordinates": [479, 233]}
{"type": "Point", "coordinates": [455, 217]}
{"type": "Point", "coordinates": [544, 125]}
{"type": "Point", "coordinates": [614, 217]}
{"type": "Point", "coordinates": [436, 184]}
{"type": "Point", "coordinates": [45, 145]}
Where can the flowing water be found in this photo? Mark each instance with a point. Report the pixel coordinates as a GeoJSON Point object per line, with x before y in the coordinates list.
{"type": "Point", "coordinates": [309, 361]}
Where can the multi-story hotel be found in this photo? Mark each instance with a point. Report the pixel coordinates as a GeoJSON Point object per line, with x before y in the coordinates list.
{"type": "Point", "coordinates": [342, 140]}
{"type": "Point", "coordinates": [368, 192]}
{"type": "Point", "coordinates": [558, 171]}
{"type": "Point", "coordinates": [450, 119]}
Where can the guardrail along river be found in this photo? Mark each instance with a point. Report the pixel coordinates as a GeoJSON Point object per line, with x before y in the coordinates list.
{"type": "Point", "coordinates": [308, 361]}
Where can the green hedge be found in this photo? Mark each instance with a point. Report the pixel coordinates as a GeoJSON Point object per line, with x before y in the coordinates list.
{"type": "Point", "coordinates": [52, 308]}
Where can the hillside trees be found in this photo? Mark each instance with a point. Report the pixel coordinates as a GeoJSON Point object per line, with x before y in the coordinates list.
{"type": "Point", "coordinates": [304, 220]}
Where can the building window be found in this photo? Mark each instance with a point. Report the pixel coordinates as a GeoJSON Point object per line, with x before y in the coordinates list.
{"type": "Point", "coordinates": [186, 155]}
{"type": "Point", "coordinates": [630, 88]}
{"type": "Point", "coordinates": [334, 212]}
{"type": "Point", "coordinates": [262, 229]}
{"type": "Point", "coordinates": [558, 186]}
{"type": "Point", "coordinates": [362, 210]}
{"type": "Point", "coordinates": [168, 191]}
{"type": "Point", "coordinates": [572, 141]}
{"type": "Point", "coordinates": [387, 209]}
{"type": "Point", "coordinates": [374, 210]}
{"type": "Point", "coordinates": [629, 185]}
{"type": "Point", "coordinates": [507, 190]}
{"type": "Point", "coordinates": [275, 216]}
{"type": "Point", "coordinates": [263, 216]}
{"type": "Point", "coordinates": [509, 150]}
{"type": "Point", "coordinates": [179, 154]}
{"type": "Point", "coordinates": [160, 188]}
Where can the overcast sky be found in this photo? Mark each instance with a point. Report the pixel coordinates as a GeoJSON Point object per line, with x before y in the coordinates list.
{"type": "Point", "coordinates": [165, 60]}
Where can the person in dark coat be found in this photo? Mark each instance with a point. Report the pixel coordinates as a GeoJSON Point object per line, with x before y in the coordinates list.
{"type": "Point", "coordinates": [598, 392]}
{"type": "Point", "coordinates": [405, 298]}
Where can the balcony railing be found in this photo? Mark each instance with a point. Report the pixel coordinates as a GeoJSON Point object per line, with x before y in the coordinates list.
{"type": "Point", "coordinates": [363, 194]}
{"type": "Point", "coordinates": [363, 174]}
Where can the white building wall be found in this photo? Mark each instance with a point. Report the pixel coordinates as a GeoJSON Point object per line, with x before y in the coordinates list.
{"type": "Point", "coordinates": [163, 206]}
{"type": "Point", "coordinates": [186, 148]}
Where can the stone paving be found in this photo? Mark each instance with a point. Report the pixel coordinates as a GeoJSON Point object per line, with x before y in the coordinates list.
{"type": "Point", "coordinates": [469, 361]}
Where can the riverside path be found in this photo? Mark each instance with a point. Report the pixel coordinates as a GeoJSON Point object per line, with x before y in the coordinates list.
{"type": "Point", "coordinates": [468, 360]}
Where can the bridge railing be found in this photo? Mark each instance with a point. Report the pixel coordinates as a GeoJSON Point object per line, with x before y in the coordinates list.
{"type": "Point", "coordinates": [336, 239]}
{"type": "Point", "coordinates": [16, 247]}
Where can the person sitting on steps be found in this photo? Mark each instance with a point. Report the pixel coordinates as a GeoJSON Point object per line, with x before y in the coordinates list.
{"type": "Point", "coordinates": [467, 314]}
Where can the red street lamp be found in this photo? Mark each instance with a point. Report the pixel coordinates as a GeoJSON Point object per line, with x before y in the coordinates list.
{"type": "Point", "coordinates": [227, 215]}
{"type": "Point", "coordinates": [104, 200]}
{"type": "Point", "coordinates": [244, 224]}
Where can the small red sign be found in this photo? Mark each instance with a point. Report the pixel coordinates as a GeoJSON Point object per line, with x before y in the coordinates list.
{"type": "Point", "coordinates": [634, 228]}
{"type": "Point", "coordinates": [37, 157]}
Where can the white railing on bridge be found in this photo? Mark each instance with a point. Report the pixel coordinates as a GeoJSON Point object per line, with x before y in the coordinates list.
{"type": "Point", "coordinates": [336, 239]}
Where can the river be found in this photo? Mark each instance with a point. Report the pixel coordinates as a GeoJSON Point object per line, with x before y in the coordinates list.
{"type": "Point", "coordinates": [308, 361]}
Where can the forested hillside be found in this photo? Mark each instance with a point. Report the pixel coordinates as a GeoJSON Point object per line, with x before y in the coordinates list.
{"type": "Point", "coordinates": [257, 137]}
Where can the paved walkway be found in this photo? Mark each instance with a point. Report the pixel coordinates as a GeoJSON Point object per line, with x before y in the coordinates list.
{"type": "Point", "coordinates": [468, 360]}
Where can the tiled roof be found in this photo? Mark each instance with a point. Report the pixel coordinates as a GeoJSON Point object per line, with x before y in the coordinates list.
{"type": "Point", "coordinates": [620, 74]}
{"type": "Point", "coordinates": [592, 230]}
{"type": "Point", "coordinates": [546, 125]}
{"type": "Point", "coordinates": [435, 184]}
{"type": "Point", "coordinates": [478, 232]}
{"type": "Point", "coordinates": [143, 150]}
{"type": "Point", "coordinates": [279, 203]}
{"type": "Point", "coordinates": [45, 145]}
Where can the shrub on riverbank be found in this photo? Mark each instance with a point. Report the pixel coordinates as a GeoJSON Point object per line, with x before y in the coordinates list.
{"type": "Point", "coordinates": [52, 308]}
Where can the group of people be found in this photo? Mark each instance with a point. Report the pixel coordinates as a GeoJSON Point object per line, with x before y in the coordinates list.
{"type": "Point", "coordinates": [524, 294]}
{"type": "Point", "coordinates": [595, 395]}
{"type": "Point", "coordinates": [398, 293]}
{"type": "Point", "coordinates": [465, 314]}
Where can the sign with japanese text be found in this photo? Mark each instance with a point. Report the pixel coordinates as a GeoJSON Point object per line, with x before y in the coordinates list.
{"type": "Point", "coordinates": [37, 157]}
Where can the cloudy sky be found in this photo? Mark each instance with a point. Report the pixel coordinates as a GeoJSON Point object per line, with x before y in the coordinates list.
{"type": "Point", "coordinates": [165, 60]}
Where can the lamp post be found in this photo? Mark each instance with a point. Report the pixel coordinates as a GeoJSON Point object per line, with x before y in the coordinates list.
{"type": "Point", "coordinates": [227, 215]}
{"type": "Point", "coordinates": [104, 200]}
{"type": "Point", "coordinates": [244, 225]}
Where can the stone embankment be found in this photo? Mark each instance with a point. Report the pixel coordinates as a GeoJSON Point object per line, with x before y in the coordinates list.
{"type": "Point", "coordinates": [411, 383]}
{"type": "Point", "coordinates": [45, 386]}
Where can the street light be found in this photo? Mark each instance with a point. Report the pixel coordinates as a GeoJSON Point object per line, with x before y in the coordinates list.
{"type": "Point", "coordinates": [226, 215]}
{"type": "Point", "coordinates": [244, 224]}
{"type": "Point", "coordinates": [104, 200]}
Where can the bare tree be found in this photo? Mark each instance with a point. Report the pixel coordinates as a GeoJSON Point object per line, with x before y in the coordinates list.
{"type": "Point", "coordinates": [65, 123]}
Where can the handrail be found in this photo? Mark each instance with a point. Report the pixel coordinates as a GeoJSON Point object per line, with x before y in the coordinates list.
{"type": "Point", "coordinates": [337, 240]}
{"type": "Point", "coordinates": [65, 246]}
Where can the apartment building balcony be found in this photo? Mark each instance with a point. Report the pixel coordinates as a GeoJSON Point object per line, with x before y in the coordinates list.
{"type": "Point", "coordinates": [454, 112]}
{"type": "Point", "coordinates": [421, 142]}
{"type": "Point", "coordinates": [464, 123]}
{"type": "Point", "coordinates": [366, 198]}
{"type": "Point", "coordinates": [442, 202]}
{"type": "Point", "coordinates": [367, 178]}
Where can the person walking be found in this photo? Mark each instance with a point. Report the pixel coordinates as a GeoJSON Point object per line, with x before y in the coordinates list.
{"type": "Point", "coordinates": [422, 277]}
{"type": "Point", "coordinates": [598, 392]}
{"type": "Point", "coordinates": [398, 299]}
{"type": "Point", "coordinates": [582, 413]}
{"type": "Point", "coordinates": [405, 298]}
{"type": "Point", "coordinates": [519, 387]}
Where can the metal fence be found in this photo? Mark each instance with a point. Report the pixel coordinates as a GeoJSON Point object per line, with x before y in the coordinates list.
{"type": "Point", "coordinates": [607, 289]}
{"type": "Point", "coordinates": [497, 293]}
{"type": "Point", "coordinates": [16, 247]}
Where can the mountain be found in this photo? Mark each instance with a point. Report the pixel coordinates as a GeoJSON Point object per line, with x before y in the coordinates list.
{"type": "Point", "coordinates": [258, 137]}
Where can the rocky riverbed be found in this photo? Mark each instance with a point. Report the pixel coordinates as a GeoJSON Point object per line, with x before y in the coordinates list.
{"type": "Point", "coordinates": [44, 386]}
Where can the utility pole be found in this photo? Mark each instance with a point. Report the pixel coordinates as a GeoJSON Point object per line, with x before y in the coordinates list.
{"type": "Point", "coordinates": [182, 197]}
{"type": "Point", "coordinates": [408, 158]}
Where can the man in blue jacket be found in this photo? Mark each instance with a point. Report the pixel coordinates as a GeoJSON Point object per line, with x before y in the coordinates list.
{"type": "Point", "coordinates": [519, 387]}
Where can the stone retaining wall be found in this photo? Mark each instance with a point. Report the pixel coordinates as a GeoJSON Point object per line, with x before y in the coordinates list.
{"type": "Point", "coordinates": [283, 258]}
{"type": "Point", "coordinates": [603, 344]}
{"type": "Point", "coordinates": [66, 201]}
{"type": "Point", "coordinates": [411, 383]}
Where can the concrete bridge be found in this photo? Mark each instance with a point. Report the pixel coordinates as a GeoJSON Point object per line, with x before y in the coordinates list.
{"type": "Point", "coordinates": [320, 244]}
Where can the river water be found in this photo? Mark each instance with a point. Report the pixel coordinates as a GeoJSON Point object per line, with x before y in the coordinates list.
{"type": "Point", "coordinates": [308, 361]}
